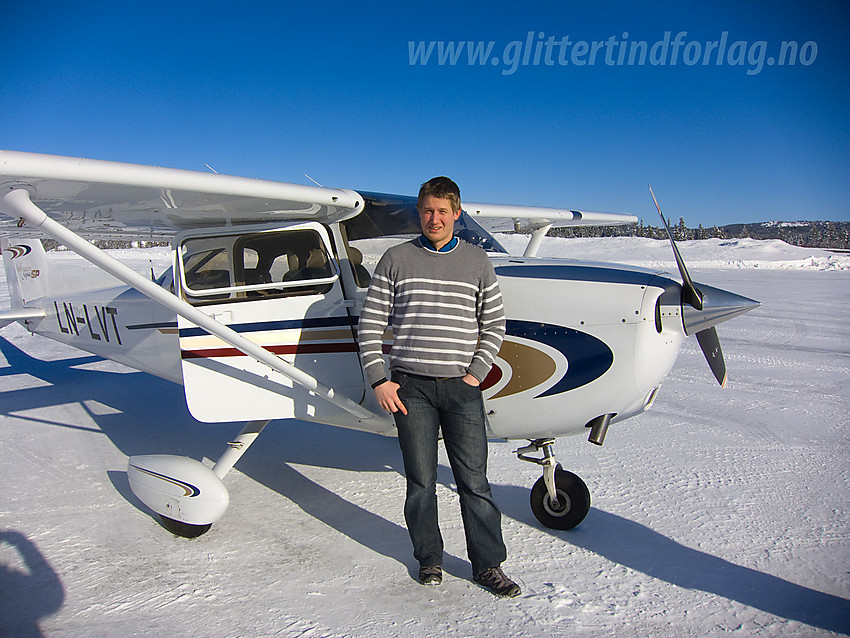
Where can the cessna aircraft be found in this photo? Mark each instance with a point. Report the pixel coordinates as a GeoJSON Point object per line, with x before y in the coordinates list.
{"type": "Point", "coordinates": [257, 316]}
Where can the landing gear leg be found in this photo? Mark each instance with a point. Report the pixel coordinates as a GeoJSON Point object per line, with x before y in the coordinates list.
{"type": "Point", "coordinates": [237, 447]}
{"type": "Point", "coordinates": [559, 499]}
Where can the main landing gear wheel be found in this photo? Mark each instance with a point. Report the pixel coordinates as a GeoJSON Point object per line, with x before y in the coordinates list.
{"type": "Point", "coordinates": [186, 530]}
{"type": "Point", "coordinates": [572, 505]}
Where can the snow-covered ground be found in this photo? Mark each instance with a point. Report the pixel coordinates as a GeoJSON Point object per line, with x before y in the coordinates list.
{"type": "Point", "coordinates": [719, 511]}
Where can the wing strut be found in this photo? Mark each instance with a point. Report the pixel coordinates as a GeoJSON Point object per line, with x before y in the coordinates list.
{"type": "Point", "coordinates": [537, 236]}
{"type": "Point", "coordinates": [17, 203]}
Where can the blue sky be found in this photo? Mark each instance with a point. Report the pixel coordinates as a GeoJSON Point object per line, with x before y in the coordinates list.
{"type": "Point", "coordinates": [328, 89]}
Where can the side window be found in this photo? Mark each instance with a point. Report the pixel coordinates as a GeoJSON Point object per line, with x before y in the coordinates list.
{"type": "Point", "coordinates": [284, 257]}
{"type": "Point", "coordinates": [206, 266]}
{"type": "Point", "coordinates": [256, 265]}
{"type": "Point", "coordinates": [362, 276]}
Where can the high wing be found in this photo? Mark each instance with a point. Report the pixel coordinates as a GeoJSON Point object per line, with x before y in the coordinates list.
{"type": "Point", "coordinates": [101, 198]}
{"type": "Point", "coordinates": [538, 221]}
{"type": "Point", "coordinates": [527, 219]}
{"type": "Point", "coordinates": [114, 199]}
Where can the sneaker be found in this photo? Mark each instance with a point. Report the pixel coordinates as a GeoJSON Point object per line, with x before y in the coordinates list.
{"type": "Point", "coordinates": [495, 580]}
{"type": "Point", "coordinates": [431, 575]}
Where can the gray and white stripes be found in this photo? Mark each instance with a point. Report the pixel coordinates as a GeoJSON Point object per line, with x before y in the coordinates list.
{"type": "Point", "coordinates": [445, 311]}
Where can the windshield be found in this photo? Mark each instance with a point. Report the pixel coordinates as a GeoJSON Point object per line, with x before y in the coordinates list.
{"type": "Point", "coordinates": [387, 215]}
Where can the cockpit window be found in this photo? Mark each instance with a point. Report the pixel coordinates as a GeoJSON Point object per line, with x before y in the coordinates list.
{"type": "Point", "coordinates": [388, 215]}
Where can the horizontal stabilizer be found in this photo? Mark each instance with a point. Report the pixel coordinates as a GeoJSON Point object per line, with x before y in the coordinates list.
{"type": "Point", "coordinates": [21, 314]}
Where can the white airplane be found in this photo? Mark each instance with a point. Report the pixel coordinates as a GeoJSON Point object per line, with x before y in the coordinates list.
{"type": "Point", "coordinates": [256, 318]}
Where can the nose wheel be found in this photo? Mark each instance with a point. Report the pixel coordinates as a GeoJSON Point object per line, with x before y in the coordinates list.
{"type": "Point", "coordinates": [186, 530]}
{"type": "Point", "coordinates": [570, 505]}
{"type": "Point", "coordinates": [559, 499]}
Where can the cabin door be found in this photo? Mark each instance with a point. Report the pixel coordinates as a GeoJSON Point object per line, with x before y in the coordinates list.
{"type": "Point", "coordinates": [281, 289]}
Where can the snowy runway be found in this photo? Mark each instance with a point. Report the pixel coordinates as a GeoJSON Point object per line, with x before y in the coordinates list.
{"type": "Point", "coordinates": [718, 511]}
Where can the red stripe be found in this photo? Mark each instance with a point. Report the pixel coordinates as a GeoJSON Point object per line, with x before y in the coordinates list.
{"type": "Point", "coordinates": [492, 378]}
{"type": "Point", "coordinates": [316, 348]}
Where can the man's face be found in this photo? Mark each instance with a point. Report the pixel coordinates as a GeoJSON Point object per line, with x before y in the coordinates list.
{"type": "Point", "coordinates": [437, 220]}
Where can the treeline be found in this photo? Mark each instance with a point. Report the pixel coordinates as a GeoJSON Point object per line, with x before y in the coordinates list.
{"type": "Point", "coordinates": [834, 235]}
{"type": "Point", "coordinates": [109, 244]}
{"type": "Point", "coordinates": [814, 234]}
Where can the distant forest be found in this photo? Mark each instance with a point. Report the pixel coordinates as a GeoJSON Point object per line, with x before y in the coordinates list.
{"type": "Point", "coordinates": [834, 235]}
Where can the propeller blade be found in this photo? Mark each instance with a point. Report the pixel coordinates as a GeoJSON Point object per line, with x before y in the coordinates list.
{"type": "Point", "coordinates": [709, 342]}
{"type": "Point", "coordinates": [690, 295]}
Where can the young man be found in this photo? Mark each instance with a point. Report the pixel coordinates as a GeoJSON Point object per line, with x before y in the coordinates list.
{"type": "Point", "coordinates": [442, 299]}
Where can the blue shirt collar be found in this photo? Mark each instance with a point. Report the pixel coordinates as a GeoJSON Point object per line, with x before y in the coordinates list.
{"type": "Point", "coordinates": [426, 243]}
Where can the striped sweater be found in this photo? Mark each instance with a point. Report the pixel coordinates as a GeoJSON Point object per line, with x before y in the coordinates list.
{"type": "Point", "coordinates": [444, 308]}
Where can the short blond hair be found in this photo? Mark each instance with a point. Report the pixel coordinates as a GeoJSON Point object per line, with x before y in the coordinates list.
{"type": "Point", "coordinates": [442, 188]}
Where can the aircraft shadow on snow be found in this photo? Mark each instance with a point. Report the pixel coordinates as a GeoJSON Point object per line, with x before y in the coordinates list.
{"type": "Point", "coordinates": [643, 550]}
{"type": "Point", "coordinates": [163, 424]}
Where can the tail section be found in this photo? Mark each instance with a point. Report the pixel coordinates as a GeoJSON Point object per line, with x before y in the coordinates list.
{"type": "Point", "coordinates": [26, 270]}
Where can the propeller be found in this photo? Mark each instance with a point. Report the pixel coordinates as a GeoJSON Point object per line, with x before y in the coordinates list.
{"type": "Point", "coordinates": [690, 295]}
{"type": "Point", "coordinates": [708, 307]}
{"type": "Point", "coordinates": [709, 343]}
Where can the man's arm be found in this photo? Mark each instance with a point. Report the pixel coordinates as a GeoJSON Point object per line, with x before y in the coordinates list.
{"type": "Point", "coordinates": [491, 324]}
{"type": "Point", "coordinates": [374, 318]}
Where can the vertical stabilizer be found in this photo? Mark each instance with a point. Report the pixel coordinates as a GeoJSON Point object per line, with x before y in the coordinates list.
{"type": "Point", "coordinates": [26, 270]}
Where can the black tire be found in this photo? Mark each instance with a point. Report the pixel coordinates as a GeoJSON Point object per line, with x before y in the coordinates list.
{"type": "Point", "coordinates": [186, 530]}
{"type": "Point", "coordinates": [573, 501]}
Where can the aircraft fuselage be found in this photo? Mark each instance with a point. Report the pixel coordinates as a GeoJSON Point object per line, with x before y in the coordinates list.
{"type": "Point", "coordinates": [583, 340]}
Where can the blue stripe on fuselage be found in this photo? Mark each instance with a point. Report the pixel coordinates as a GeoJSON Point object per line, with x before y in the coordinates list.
{"type": "Point", "coordinates": [588, 358]}
{"type": "Point", "coordinates": [566, 272]}
{"type": "Point", "coordinates": [290, 324]}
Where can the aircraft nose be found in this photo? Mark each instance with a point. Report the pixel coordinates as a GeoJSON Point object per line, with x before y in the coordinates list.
{"type": "Point", "coordinates": [718, 306]}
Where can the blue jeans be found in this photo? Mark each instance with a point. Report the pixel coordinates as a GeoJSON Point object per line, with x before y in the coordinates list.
{"type": "Point", "coordinates": [459, 409]}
